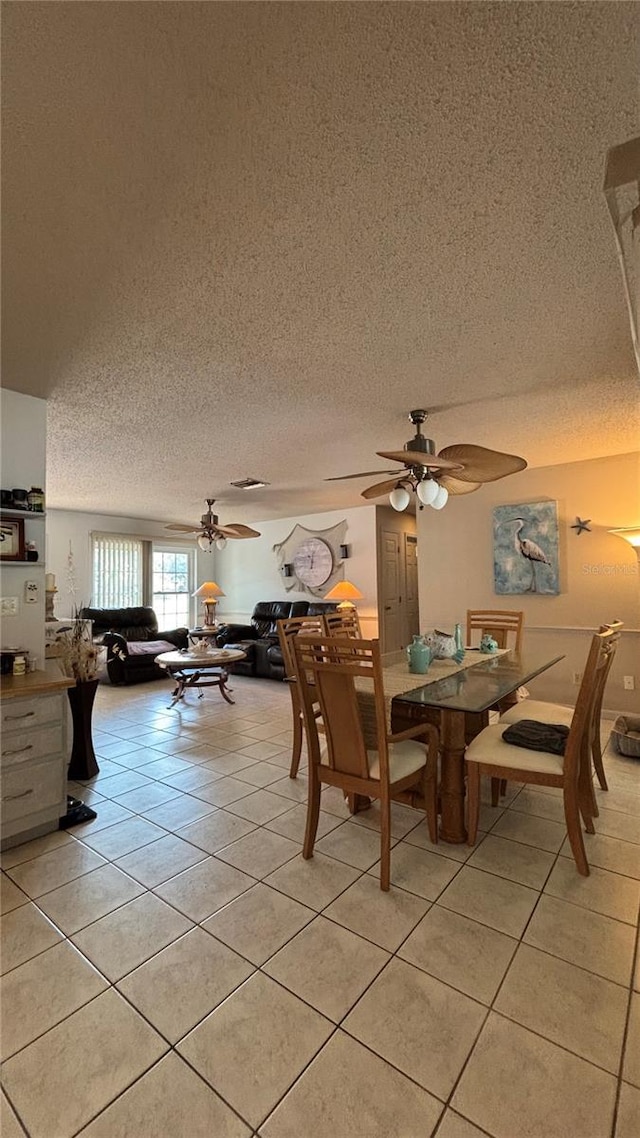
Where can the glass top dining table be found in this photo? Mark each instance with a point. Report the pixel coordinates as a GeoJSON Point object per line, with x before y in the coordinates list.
{"type": "Point", "coordinates": [460, 704]}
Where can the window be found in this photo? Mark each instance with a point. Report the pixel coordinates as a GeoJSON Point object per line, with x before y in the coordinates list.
{"type": "Point", "coordinates": [129, 571]}
{"type": "Point", "coordinates": [172, 586]}
{"type": "Point", "coordinates": [118, 571]}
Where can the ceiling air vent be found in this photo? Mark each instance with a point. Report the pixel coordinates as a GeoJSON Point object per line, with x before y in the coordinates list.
{"type": "Point", "coordinates": [249, 483]}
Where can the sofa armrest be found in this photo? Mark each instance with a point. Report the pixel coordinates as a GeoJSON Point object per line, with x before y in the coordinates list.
{"type": "Point", "coordinates": [230, 633]}
{"type": "Point", "coordinates": [116, 645]}
{"type": "Point", "coordinates": [177, 636]}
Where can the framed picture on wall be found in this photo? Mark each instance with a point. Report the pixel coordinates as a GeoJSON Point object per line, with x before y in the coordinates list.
{"type": "Point", "coordinates": [12, 539]}
{"type": "Point", "coordinates": [525, 548]}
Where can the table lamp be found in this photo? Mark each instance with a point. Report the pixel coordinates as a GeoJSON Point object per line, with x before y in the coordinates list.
{"type": "Point", "coordinates": [345, 593]}
{"type": "Point", "coordinates": [209, 592]}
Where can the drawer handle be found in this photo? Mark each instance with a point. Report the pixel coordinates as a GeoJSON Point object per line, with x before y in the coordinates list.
{"type": "Point", "coordinates": [18, 750]}
{"type": "Point", "coordinates": [25, 715]}
{"type": "Point", "coordinates": [12, 797]}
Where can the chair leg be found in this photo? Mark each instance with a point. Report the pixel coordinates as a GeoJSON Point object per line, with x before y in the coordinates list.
{"type": "Point", "coordinates": [297, 745]}
{"type": "Point", "coordinates": [473, 801]}
{"type": "Point", "coordinates": [430, 791]}
{"type": "Point", "coordinates": [503, 787]}
{"type": "Point", "coordinates": [586, 792]}
{"type": "Point", "coordinates": [313, 813]}
{"type": "Point", "coordinates": [495, 790]}
{"type": "Point", "coordinates": [596, 754]}
{"type": "Point", "coordinates": [385, 843]}
{"type": "Point", "coordinates": [574, 830]}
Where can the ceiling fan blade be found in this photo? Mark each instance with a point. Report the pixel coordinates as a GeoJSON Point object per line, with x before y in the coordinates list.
{"type": "Point", "coordinates": [183, 529]}
{"type": "Point", "coordinates": [237, 530]}
{"type": "Point", "coordinates": [362, 474]}
{"type": "Point", "coordinates": [481, 464]}
{"type": "Point", "coordinates": [419, 458]}
{"type": "Point", "coordinates": [456, 486]}
{"type": "Point", "coordinates": [382, 487]}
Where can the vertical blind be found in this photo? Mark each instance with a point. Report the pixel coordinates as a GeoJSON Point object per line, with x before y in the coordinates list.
{"type": "Point", "coordinates": [118, 571]}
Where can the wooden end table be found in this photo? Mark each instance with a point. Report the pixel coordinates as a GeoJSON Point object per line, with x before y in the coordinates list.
{"type": "Point", "coordinates": [199, 669]}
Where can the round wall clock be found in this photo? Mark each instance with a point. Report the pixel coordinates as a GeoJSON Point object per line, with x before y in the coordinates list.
{"type": "Point", "coordinates": [313, 562]}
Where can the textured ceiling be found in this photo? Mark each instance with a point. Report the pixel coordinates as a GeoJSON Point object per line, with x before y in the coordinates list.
{"type": "Point", "coordinates": [246, 239]}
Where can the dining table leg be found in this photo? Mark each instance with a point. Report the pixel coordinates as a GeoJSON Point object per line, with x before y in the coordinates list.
{"type": "Point", "coordinates": [452, 731]}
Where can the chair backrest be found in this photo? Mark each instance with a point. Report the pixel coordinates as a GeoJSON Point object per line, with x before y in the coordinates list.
{"type": "Point", "coordinates": [498, 623]}
{"type": "Point", "coordinates": [288, 629]}
{"type": "Point", "coordinates": [613, 626]}
{"type": "Point", "coordinates": [327, 668]}
{"type": "Point", "coordinates": [603, 646]}
{"type": "Point", "coordinates": [345, 622]}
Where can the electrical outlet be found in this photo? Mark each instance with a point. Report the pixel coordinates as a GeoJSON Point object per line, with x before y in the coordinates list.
{"type": "Point", "coordinates": [31, 592]}
{"type": "Point", "coordinates": [577, 677]}
{"type": "Point", "coordinates": [9, 606]}
{"type": "Point", "coordinates": [629, 683]}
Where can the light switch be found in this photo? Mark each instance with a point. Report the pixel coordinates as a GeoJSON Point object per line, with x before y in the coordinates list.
{"type": "Point", "coordinates": [31, 592]}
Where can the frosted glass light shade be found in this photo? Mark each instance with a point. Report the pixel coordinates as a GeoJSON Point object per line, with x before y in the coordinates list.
{"type": "Point", "coordinates": [205, 543]}
{"type": "Point", "coordinates": [221, 543]}
{"type": "Point", "coordinates": [441, 498]}
{"type": "Point", "coordinates": [427, 491]}
{"type": "Point", "coordinates": [399, 498]}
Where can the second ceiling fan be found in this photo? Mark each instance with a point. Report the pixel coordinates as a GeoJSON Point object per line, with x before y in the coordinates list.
{"type": "Point", "coordinates": [458, 469]}
{"type": "Point", "coordinates": [211, 533]}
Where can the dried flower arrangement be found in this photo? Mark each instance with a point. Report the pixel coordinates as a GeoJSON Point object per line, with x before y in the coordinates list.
{"type": "Point", "coordinates": [79, 657]}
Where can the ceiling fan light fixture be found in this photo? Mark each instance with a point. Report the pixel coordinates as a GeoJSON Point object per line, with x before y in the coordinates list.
{"type": "Point", "coordinates": [205, 541]}
{"type": "Point", "coordinates": [427, 491]}
{"type": "Point", "coordinates": [399, 498]}
{"type": "Point", "coordinates": [441, 498]}
{"type": "Point", "coordinates": [221, 542]}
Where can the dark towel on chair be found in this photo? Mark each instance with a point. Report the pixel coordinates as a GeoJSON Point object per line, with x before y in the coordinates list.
{"type": "Point", "coordinates": [535, 736]}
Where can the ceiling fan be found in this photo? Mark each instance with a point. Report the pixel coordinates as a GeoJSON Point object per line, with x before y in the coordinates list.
{"type": "Point", "coordinates": [210, 533]}
{"type": "Point", "coordinates": [458, 469]}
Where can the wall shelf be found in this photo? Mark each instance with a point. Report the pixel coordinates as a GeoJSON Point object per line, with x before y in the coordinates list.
{"type": "Point", "coordinates": [29, 515]}
{"type": "Point", "coordinates": [34, 564]}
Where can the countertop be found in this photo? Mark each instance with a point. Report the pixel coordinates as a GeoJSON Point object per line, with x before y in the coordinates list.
{"type": "Point", "coordinates": [33, 683]}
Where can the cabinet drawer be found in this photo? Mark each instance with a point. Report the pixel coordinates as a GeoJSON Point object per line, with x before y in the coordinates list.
{"type": "Point", "coordinates": [19, 747]}
{"type": "Point", "coordinates": [23, 713]}
{"type": "Point", "coordinates": [30, 789]}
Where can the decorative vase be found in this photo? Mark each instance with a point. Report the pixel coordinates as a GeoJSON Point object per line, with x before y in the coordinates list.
{"type": "Point", "coordinates": [418, 655]}
{"type": "Point", "coordinates": [443, 644]}
{"type": "Point", "coordinates": [83, 764]}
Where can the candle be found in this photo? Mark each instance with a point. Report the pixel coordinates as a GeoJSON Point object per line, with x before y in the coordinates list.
{"type": "Point", "coordinates": [50, 582]}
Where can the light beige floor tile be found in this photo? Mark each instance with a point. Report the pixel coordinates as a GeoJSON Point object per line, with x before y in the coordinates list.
{"type": "Point", "coordinates": [88, 794]}
{"type": "Point", "coordinates": [608, 893]}
{"type": "Point", "coordinates": [614, 824]}
{"type": "Point", "coordinates": [259, 807]}
{"type": "Point", "coordinates": [454, 851]}
{"type": "Point", "coordinates": [11, 897]}
{"type": "Point", "coordinates": [315, 882]}
{"type": "Point", "coordinates": [43, 991]}
{"type": "Point", "coordinates": [581, 937]}
{"type": "Point", "coordinates": [122, 940]}
{"type": "Point", "coordinates": [453, 1126]}
{"type": "Point", "coordinates": [217, 830]}
{"type": "Point", "coordinates": [180, 985]}
{"type": "Point", "coordinates": [513, 860]}
{"type": "Point", "coordinates": [513, 1072]}
{"type": "Point", "coordinates": [223, 791]}
{"type": "Point", "coordinates": [52, 869]}
{"type": "Point", "coordinates": [293, 822]}
{"type": "Point", "coordinates": [532, 801]}
{"type": "Point", "coordinates": [622, 800]}
{"type": "Point", "coordinates": [63, 1079]}
{"type": "Point", "coordinates": [88, 898]}
{"type": "Point", "coordinates": [539, 832]}
{"type": "Point", "coordinates": [25, 932]}
{"type": "Point", "coordinates": [358, 846]}
{"type": "Point", "coordinates": [200, 751]}
{"type": "Point", "coordinates": [295, 789]}
{"type": "Point", "coordinates": [628, 1121]}
{"type": "Point", "coordinates": [121, 839]}
{"type": "Point", "coordinates": [610, 853]}
{"type": "Point", "coordinates": [190, 780]}
{"type": "Point", "coordinates": [9, 1125]}
{"type": "Point", "coordinates": [333, 801]}
{"type": "Point", "coordinates": [259, 749]}
{"type": "Point", "coordinates": [167, 765]}
{"type": "Point", "coordinates": [327, 966]}
{"type": "Point", "coordinates": [179, 812]}
{"type": "Point", "coordinates": [631, 1068]}
{"type": "Point", "coordinates": [138, 758]}
{"type": "Point", "coordinates": [28, 850]}
{"type": "Point", "coordinates": [119, 784]}
{"type": "Point", "coordinates": [461, 952]}
{"type": "Point", "coordinates": [160, 860]}
{"type": "Point", "coordinates": [503, 905]}
{"type": "Point", "coordinates": [205, 888]}
{"type": "Point", "coordinates": [253, 1047]}
{"type": "Point", "coordinates": [114, 748]}
{"type": "Point", "coordinates": [404, 819]}
{"type": "Point", "coordinates": [569, 1006]}
{"type": "Point", "coordinates": [419, 871]}
{"type": "Point", "coordinates": [384, 918]}
{"type": "Point", "coordinates": [146, 797]}
{"type": "Point", "coordinates": [108, 814]}
{"type": "Point", "coordinates": [172, 1101]}
{"type": "Point", "coordinates": [397, 1018]}
{"type": "Point", "coordinates": [259, 853]}
{"type": "Point", "coordinates": [375, 1101]}
{"type": "Point", "coordinates": [261, 774]}
{"type": "Point", "coordinates": [232, 761]}
{"type": "Point", "coordinates": [259, 922]}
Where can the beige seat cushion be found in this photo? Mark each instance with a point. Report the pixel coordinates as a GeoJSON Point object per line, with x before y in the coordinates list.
{"type": "Point", "coordinates": [489, 747]}
{"type": "Point", "coordinates": [404, 759]}
{"type": "Point", "coordinates": [540, 710]}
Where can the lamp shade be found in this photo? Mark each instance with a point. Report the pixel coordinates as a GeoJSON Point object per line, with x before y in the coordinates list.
{"type": "Point", "coordinates": [630, 534]}
{"type": "Point", "coordinates": [345, 593]}
{"type": "Point", "coordinates": [399, 498]}
{"type": "Point", "coordinates": [209, 590]}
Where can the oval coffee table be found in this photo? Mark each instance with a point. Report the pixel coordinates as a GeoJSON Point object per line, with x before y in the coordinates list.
{"type": "Point", "coordinates": [199, 669]}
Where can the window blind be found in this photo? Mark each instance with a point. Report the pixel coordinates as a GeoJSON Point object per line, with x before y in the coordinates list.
{"type": "Point", "coordinates": [118, 571]}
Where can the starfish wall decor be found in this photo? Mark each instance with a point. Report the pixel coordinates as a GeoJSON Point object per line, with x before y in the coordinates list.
{"type": "Point", "coordinates": [581, 526]}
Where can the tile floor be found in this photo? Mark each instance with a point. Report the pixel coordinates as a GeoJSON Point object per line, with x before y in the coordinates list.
{"type": "Point", "coordinates": [174, 969]}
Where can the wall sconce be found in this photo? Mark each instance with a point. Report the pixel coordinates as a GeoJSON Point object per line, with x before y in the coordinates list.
{"type": "Point", "coordinates": [345, 552]}
{"type": "Point", "coordinates": [630, 534]}
{"type": "Point", "coordinates": [287, 570]}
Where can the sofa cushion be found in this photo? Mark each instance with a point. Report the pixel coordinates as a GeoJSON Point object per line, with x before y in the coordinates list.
{"type": "Point", "coordinates": [149, 647]}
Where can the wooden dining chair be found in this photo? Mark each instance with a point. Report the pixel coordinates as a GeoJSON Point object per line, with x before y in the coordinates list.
{"type": "Point", "coordinates": [400, 766]}
{"type": "Point", "coordinates": [287, 630]}
{"type": "Point", "coordinates": [345, 622]}
{"type": "Point", "coordinates": [498, 623]}
{"type": "Point", "coordinates": [488, 754]}
{"type": "Point", "coordinates": [546, 712]}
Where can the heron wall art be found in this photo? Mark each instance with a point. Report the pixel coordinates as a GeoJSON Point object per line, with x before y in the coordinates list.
{"type": "Point", "coordinates": [525, 548]}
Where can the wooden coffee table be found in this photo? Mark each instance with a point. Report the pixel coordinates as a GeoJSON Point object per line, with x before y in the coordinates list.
{"type": "Point", "coordinates": [199, 670]}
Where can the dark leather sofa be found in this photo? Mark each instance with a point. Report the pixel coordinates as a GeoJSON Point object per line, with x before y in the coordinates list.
{"type": "Point", "coordinates": [133, 641]}
{"type": "Point", "coordinates": [259, 639]}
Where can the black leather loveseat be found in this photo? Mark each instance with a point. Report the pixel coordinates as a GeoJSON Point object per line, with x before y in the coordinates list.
{"type": "Point", "coordinates": [133, 641]}
{"type": "Point", "coordinates": [259, 639]}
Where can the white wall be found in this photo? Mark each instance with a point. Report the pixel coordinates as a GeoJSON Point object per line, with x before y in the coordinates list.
{"type": "Point", "coordinates": [598, 571]}
{"type": "Point", "coordinates": [23, 465]}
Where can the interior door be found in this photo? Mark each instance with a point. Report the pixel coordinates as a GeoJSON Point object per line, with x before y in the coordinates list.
{"type": "Point", "coordinates": [391, 591]}
{"type": "Point", "coordinates": [410, 606]}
